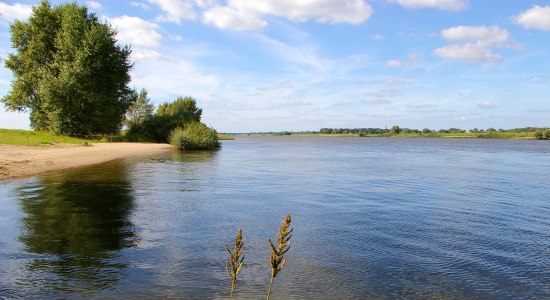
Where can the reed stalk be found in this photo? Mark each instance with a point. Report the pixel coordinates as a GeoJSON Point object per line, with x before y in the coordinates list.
{"type": "Point", "coordinates": [277, 253]}
{"type": "Point", "coordinates": [235, 260]}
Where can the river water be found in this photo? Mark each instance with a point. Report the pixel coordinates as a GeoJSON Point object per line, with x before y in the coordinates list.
{"type": "Point", "coordinates": [372, 218]}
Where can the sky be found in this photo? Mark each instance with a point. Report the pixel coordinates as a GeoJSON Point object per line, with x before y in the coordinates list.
{"type": "Point", "coordinates": [298, 65]}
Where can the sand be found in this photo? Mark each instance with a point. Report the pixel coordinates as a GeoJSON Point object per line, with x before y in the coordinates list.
{"type": "Point", "coordinates": [23, 161]}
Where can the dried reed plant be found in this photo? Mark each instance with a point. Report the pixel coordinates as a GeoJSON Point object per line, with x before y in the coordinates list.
{"type": "Point", "coordinates": [235, 260]}
{"type": "Point", "coordinates": [277, 253]}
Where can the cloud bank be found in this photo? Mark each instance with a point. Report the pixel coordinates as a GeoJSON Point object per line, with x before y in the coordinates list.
{"type": "Point", "coordinates": [475, 44]}
{"type": "Point", "coordinates": [249, 14]}
{"type": "Point", "coordinates": [537, 17]}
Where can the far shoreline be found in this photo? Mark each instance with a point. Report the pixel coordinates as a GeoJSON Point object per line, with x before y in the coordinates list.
{"type": "Point", "coordinates": [420, 136]}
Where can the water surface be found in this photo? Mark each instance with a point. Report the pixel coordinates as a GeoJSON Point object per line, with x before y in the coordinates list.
{"type": "Point", "coordinates": [372, 218]}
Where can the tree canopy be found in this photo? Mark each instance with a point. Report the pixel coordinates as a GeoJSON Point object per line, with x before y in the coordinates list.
{"type": "Point", "coordinates": [184, 109]}
{"type": "Point", "coordinates": [140, 110]}
{"type": "Point", "coordinates": [169, 116]}
{"type": "Point", "coordinates": [69, 71]}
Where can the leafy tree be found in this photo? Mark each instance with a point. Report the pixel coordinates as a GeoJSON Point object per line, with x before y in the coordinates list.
{"type": "Point", "coordinates": [538, 135]}
{"type": "Point", "coordinates": [547, 134]}
{"type": "Point", "coordinates": [140, 110]}
{"type": "Point", "coordinates": [183, 109]}
{"type": "Point", "coordinates": [326, 131]}
{"type": "Point", "coordinates": [69, 72]}
{"type": "Point", "coordinates": [395, 130]}
{"type": "Point", "coordinates": [169, 116]}
{"type": "Point", "coordinates": [426, 131]}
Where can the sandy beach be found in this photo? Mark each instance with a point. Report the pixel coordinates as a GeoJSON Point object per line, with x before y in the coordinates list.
{"type": "Point", "coordinates": [23, 161]}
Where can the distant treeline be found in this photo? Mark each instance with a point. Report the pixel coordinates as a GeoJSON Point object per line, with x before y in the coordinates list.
{"type": "Point", "coordinates": [398, 130]}
{"type": "Point", "coordinates": [526, 132]}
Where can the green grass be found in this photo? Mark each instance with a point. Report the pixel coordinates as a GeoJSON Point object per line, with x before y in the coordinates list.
{"type": "Point", "coordinates": [38, 138]}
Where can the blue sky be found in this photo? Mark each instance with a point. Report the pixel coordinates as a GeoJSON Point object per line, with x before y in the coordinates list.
{"type": "Point", "coordinates": [295, 65]}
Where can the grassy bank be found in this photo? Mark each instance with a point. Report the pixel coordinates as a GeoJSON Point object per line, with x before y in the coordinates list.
{"type": "Point", "coordinates": [225, 137]}
{"type": "Point", "coordinates": [38, 138]}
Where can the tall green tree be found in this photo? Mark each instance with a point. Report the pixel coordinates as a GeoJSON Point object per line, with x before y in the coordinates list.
{"type": "Point", "coordinates": [185, 110]}
{"type": "Point", "coordinates": [140, 110]}
{"type": "Point", "coordinates": [169, 116]}
{"type": "Point", "coordinates": [69, 71]}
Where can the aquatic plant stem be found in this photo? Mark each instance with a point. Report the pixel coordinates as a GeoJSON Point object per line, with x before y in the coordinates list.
{"type": "Point", "coordinates": [235, 260]}
{"type": "Point", "coordinates": [277, 260]}
{"type": "Point", "coordinates": [270, 284]}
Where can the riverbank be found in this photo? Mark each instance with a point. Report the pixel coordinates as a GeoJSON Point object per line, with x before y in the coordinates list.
{"type": "Point", "coordinates": [25, 161]}
{"type": "Point", "coordinates": [503, 136]}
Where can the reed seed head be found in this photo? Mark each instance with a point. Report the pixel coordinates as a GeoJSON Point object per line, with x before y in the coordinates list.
{"type": "Point", "coordinates": [283, 245]}
{"type": "Point", "coordinates": [235, 259]}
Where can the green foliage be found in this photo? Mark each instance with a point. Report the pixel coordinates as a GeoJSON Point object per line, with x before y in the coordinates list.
{"type": "Point", "coordinates": [538, 135]}
{"type": "Point", "coordinates": [195, 136]}
{"type": "Point", "coordinates": [68, 71]}
{"type": "Point", "coordinates": [547, 134]}
{"type": "Point", "coordinates": [326, 131]}
{"type": "Point", "coordinates": [168, 117]}
{"type": "Point", "coordinates": [140, 110]}
{"type": "Point", "coordinates": [395, 130]}
{"type": "Point", "coordinates": [184, 110]}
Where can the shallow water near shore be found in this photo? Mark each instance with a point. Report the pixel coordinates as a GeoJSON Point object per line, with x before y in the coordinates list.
{"type": "Point", "coordinates": [372, 218]}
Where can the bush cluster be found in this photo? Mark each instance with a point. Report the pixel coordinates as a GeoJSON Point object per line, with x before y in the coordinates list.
{"type": "Point", "coordinates": [169, 116]}
{"type": "Point", "coordinates": [195, 136]}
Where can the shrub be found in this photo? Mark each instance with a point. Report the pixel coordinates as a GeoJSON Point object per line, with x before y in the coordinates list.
{"type": "Point", "coordinates": [155, 129]}
{"type": "Point", "coordinates": [195, 136]}
{"type": "Point", "coordinates": [547, 134]}
{"type": "Point", "coordinates": [169, 116]}
{"type": "Point", "coordinates": [538, 135]}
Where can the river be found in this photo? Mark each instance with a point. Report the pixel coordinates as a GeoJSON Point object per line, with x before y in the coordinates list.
{"type": "Point", "coordinates": [372, 218]}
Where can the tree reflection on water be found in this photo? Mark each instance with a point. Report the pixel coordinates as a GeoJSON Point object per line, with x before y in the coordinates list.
{"type": "Point", "coordinates": [77, 223]}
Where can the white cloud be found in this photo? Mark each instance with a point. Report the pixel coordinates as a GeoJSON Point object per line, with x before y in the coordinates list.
{"type": "Point", "coordinates": [468, 53]}
{"type": "Point", "coordinates": [226, 17]}
{"type": "Point", "coordinates": [176, 38]}
{"type": "Point", "coordinates": [295, 103]}
{"type": "Point", "coordinates": [324, 11]}
{"type": "Point", "coordinates": [475, 44]}
{"type": "Point", "coordinates": [486, 35]}
{"type": "Point", "coordinates": [440, 4]}
{"type": "Point", "coordinates": [162, 75]}
{"type": "Point", "coordinates": [141, 54]}
{"type": "Point", "coordinates": [486, 105]}
{"type": "Point", "coordinates": [537, 17]}
{"type": "Point", "coordinates": [140, 5]}
{"type": "Point", "coordinates": [411, 59]}
{"type": "Point", "coordinates": [175, 10]}
{"type": "Point", "coordinates": [136, 31]}
{"type": "Point", "coordinates": [94, 5]}
{"type": "Point", "coordinates": [15, 11]}
{"type": "Point", "coordinates": [248, 14]}
{"type": "Point", "coordinates": [394, 63]}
